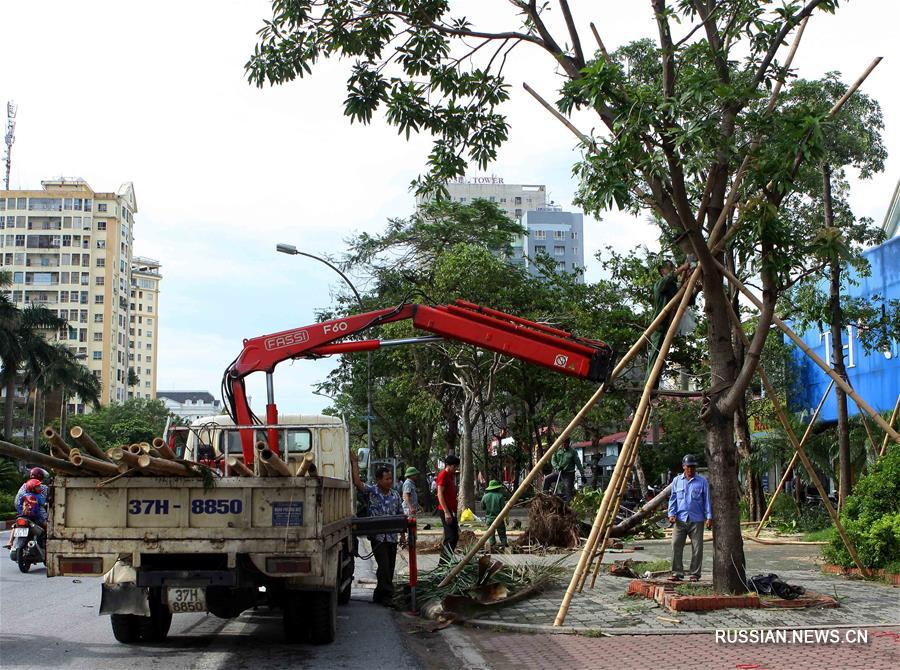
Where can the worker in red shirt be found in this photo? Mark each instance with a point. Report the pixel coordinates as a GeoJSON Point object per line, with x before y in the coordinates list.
{"type": "Point", "coordinates": [446, 493]}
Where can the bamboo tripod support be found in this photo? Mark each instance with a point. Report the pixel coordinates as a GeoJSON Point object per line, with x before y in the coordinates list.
{"type": "Point", "coordinates": [649, 384]}
{"type": "Point", "coordinates": [844, 386]}
{"type": "Point", "coordinates": [614, 486]}
{"type": "Point", "coordinates": [798, 447]}
{"type": "Point", "coordinates": [573, 424]}
{"type": "Point", "coordinates": [599, 549]}
{"type": "Point", "coordinates": [790, 467]}
{"type": "Point", "coordinates": [893, 422]}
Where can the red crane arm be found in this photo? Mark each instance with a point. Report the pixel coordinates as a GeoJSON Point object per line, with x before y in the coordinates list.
{"type": "Point", "coordinates": [462, 321]}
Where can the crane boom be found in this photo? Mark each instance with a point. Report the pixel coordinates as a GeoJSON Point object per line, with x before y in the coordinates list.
{"type": "Point", "coordinates": [460, 321]}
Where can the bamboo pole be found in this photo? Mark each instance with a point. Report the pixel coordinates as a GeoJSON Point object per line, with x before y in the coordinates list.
{"type": "Point", "coordinates": [274, 463]}
{"type": "Point", "coordinates": [238, 468]}
{"type": "Point", "coordinates": [650, 382]}
{"type": "Point", "coordinates": [625, 452]}
{"type": "Point", "coordinates": [614, 507]}
{"type": "Point", "coordinates": [92, 465]}
{"type": "Point", "coordinates": [893, 422]}
{"type": "Point", "coordinates": [308, 462]}
{"type": "Point", "coordinates": [28, 456]}
{"type": "Point", "coordinates": [573, 424]}
{"type": "Point", "coordinates": [87, 443]}
{"type": "Point", "coordinates": [798, 447]}
{"type": "Point", "coordinates": [129, 459]}
{"type": "Point", "coordinates": [53, 438]}
{"type": "Point", "coordinates": [56, 452]}
{"type": "Point", "coordinates": [843, 385]}
{"type": "Point", "coordinates": [161, 466]}
{"type": "Point", "coordinates": [793, 462]}
{"type": "Point", "coordinates": [164, 450]}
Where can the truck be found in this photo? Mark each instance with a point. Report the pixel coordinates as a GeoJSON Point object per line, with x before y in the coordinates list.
{"type": "Point", "coordinates": [234, 539]}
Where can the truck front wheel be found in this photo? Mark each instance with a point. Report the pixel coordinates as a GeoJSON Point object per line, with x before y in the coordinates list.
{"type": "Point", "coordinates": [125, 628]}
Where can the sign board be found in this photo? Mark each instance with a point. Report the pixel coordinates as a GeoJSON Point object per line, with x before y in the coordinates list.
{"type": "Point", "coordinates": [874, 375]}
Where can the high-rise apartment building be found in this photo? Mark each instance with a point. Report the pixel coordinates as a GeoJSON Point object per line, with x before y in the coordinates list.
{"type": "Point", "coordinates": [69, 249]}
{"type": "Point", "coordinates": [143, 326]}
{"type": "Point", "coordinates": [550, 230]}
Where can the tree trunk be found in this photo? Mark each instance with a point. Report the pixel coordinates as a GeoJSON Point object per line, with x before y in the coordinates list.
{"type": "Point", "coordinates": [837, 351]}
{"type": "Point", "coordinates": [756, 497]}
{"type": "Point", "coordinates": [657, 503]}
{"type": "Point", "coordinates": [467, 468]}
{"type": "Point", "coordinates": [8, 407]}
{"type": "Point", "coordinates": [641, 477]}
{"type": "Point", "coordinates": [721, 454]}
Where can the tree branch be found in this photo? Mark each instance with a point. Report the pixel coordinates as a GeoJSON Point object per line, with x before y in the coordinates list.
{"type": "Point", "coordinates": [573, 33]}
{"type": "Point", "coordinates": [779, 38]}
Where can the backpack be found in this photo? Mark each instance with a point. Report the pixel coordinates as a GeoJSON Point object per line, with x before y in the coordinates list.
{"type": "Point", "coordinates": [30, 506]}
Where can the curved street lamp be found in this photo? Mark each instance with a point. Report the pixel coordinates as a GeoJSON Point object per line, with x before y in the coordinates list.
{"type": "Point", "coordinates": [291, 250]}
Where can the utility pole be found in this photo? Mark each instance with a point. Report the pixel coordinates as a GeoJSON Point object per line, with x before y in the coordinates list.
{"type": "Point", "coordinates": [11, 108]}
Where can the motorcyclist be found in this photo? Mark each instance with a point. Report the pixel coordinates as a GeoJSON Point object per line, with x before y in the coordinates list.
{"type": "Point", "coordinates": [37, 475]}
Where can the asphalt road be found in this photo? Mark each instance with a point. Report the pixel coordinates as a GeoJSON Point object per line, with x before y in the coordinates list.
{"type": "Point", "coordinates": [54, 623]}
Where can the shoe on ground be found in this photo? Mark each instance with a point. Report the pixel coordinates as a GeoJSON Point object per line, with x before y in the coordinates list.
{"type": "Point", "coordinates": [693, 578]}
{"type": "Point", "coordinates": [676, 578]}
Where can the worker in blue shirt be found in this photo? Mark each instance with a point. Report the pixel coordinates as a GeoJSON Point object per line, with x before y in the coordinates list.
{"type": "Point", "coordinates": [689, 510]}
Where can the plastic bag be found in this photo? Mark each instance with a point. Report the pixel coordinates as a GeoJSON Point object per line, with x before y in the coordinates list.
{"type": "Point", "coordinates": [468, 516]}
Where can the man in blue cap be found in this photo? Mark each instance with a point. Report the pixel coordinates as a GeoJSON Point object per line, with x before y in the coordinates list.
{"type": "Point", "coordinates": [689, 510]}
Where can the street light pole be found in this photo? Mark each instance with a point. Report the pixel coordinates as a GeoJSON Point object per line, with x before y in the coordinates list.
{"type": "Point", "coordinates": [291, 250]}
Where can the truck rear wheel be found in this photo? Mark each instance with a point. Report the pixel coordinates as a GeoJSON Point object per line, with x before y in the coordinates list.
{"type": "Point", "coordinates": [323, 607]}
{"type": "Point", "coordinates": [345, 573]}
{"type": "Point", "coordinates": [155, 628]}
{"type": "Point", "coordinates": [296, 617]}
{"type": "Point", "coordinates": [125, 628]}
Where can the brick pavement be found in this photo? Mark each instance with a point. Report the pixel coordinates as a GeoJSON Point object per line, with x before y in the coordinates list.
{"type": "Point", "coordinates": [503, 651]}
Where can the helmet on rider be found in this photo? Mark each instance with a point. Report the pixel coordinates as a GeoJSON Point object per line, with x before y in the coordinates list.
{"type": "Point", "coordinates": [33, 486]}
{"type": "Point", "coordinates": [37, 473]}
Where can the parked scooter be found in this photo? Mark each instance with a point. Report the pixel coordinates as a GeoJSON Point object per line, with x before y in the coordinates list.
{"type": "Point", "coordinates": [28, 543]}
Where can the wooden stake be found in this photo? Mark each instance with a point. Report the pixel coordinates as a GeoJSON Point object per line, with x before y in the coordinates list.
{"type": "Point", "coordinates": [893, 422]}
{"type": "Point", "coordinates": [793, 462]}
{"type": "Point", "coordinates": [798, 447]}
{"type": "Point", "coordinates": [652, 378]}
{"type": "Point", "coordinates": [306, 464]}
{"type": "Point", "coordinates": [87, 443]}
{"type": "Point", "coordinates": [599, 41]}
{"type": "Point", "coordinates": [844, 386]}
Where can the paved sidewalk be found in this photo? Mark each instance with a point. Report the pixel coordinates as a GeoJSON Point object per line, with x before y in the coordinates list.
{"type": "Point", "coordinates": [688, 652]}
{"type": "Point", "coordinates": [607, 608]}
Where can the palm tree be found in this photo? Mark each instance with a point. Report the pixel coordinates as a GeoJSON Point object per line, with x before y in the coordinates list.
{"type": "Point", "coordinates": [71, 378]}
{"type": "Point", "coordinates": [22, 343]}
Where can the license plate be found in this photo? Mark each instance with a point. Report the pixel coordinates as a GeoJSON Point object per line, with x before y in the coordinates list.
{"type": "Point", "coordinates": [20, 532]}
{"type": "Point", "coordinates": [186, 599]}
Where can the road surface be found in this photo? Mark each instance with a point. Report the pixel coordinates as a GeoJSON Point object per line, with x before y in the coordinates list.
{"type": "Point", "coordinates": [53, 623]}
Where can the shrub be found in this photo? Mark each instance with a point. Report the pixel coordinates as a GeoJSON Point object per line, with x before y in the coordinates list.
{"type": "Point", "coordinates": [7, 503]}
{"type": "Point", "coordinates": [871, 517]}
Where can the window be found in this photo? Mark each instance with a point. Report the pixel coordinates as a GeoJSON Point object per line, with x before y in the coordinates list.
{"type": "Point", "coordinates": [147, 359]}
{"type": "Point", "coordinates": [559, 234]}
{"type": "Point", "coordinates": [18, 277]}
{"type": "Point", "coordinates": [101, 206]}
{"type": "Point", "coordinates": [45, 204]}
{"type": "Point", "coordinates": [492, 199]}
{"type": "Point", "coordinates": [150, 309]}
{"type": "Point", "coordinates": [98, 337]}
{"type": "Point", "coordinates": [518, 213]}
{"type": "Point", "coordinates": [98, 318]}
{"type": "Point", "coordinates": [561, 265]}
{"type": "Point", "coordinates": [98, 299]}
{"type": "Point", "coordinates": [502, 199]}
{"type": "Point", "coordinates": [99, 281]}
{"type": "Point", "coordinates": [20, 203]}
{"type": "Point", "coordinates": [20, 240]}
{"type": "Point", "coordinates": [98, 356]}
{"type": "Point", "coordinates": [298, 440]}
{"type": "Point", "coordinates": [540, 234]}
{"type": "Point", "coordinates": [87, 223]}
{"type": "Point", "coordinates": [101, 225]}
{"type": "Point", "coordinates": [518, 200]}
{"type": "Point", "coordinates": [574, 234]}
{"type": "Point", "coordinates": [101, 262]}
{"type": "Point", "coordinates": [101, 244]}
{"type": "Point", "coordinates": [540, 249]}
{"type": "Point", "coordinates": [559, 250]}
{"type": "Point", "coordinates": [87, 204]}
{"type": "Point", "coordinates": [462, 199]}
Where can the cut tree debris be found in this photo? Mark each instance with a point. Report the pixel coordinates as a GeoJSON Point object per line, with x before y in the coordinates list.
{"type": "Point", "coordinates": [551, 523]}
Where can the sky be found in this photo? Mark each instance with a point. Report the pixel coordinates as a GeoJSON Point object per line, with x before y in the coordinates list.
{"type": "Point", "coordinates": [155, 93]}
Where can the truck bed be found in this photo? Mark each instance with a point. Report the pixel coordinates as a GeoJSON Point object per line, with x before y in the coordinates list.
{"type": "Point", "coordinates": [176, 515]}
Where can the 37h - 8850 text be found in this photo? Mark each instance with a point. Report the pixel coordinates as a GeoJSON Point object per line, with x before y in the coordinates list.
{"type": "Point", "coordinates": [199, 506]}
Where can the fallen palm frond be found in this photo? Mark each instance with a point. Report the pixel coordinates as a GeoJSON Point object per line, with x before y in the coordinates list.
{"type": "Point", "coordinates": [486, 583]}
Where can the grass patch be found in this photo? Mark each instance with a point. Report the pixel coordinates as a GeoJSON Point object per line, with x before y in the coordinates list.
{"type": "Point", "coordinates": [641, 567]}
{"type": "Point", "coordinates": [694, 590]}
{"type": "Point", "coordinates": [592, 633]}
{"type": "Point", "coordinates": [822, 535]}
